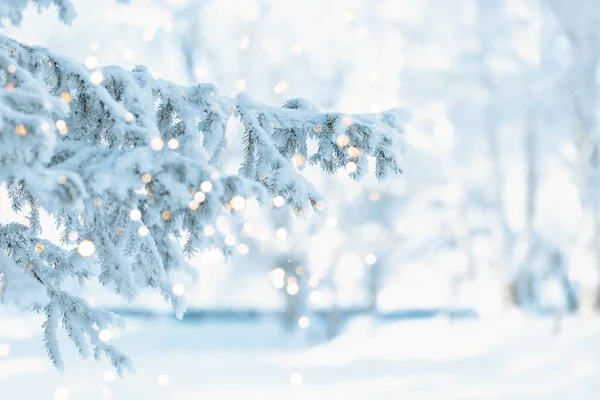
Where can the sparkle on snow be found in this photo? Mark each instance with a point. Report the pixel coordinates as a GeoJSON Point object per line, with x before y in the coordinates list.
{"type": "Point", "coordinates": [331, 222]}
{"type": "Point", "coordinates": [97, 77]}
{"type": "Point", "coordinates": [162, 380]}
{"type": "Point", "coordinates": [91, 62]}
{"type": "Point", "coordinates": [104, 335]}
{"type": "Point", "coordinates": [108, 376]}
{"type": "Point", "coordinates": [292, 289]}
{"type": "Point", "coordinates": [280, 87]}
{"type": "Point", "coordinates": [206, 186]}
{"type": "Point", "coordinates": [296, 379]}
{"type": "Point", "coordinates": [4, 349]}
{"type": "Point", "coordinates": [315, 297]}
{"type": "Point", "coordinates": [277, 273]}
{"type": "Point", "coordinates": [199, 196]}
{"type": "Point", "coordinates": [278, 201]}
{"type": "Point", "coordinates": [347, 120]}
{"type": "Point", "coordinates": [178, 289]}
{"type": "Point", "coordinates": [135, 214]}
{"type": "Point", "coordinates": [281, 233]}
{"type": "Point", "coordinates": [303, 322]}
{"type": "Point", "coordinates": [238, 203]}
{"type": "Point", "coordinates": [173, 144]}
{"type": "Point", "coordinates": [375, 196]}
{"type": "Point", "coordinates": [244, 42]}
{"type": "Point", "coordinates": [370, 259]}
{"type": "Point", "coordinates": [243, 249]}
{"type": "Point", "coordinates": [62, 393]}
{"type": "Point", "coordinates": [209, 230]}
{"type": "Point", "coordinates": [86, 248]}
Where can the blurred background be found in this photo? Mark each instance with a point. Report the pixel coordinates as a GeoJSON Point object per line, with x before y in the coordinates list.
{"type": "Point", "coordinates": [474, 275]}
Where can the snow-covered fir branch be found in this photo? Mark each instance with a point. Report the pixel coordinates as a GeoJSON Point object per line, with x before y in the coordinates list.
{"type": "Point", "coordinates": [128, 166]}
{"type": "Point", "coordinates": [12, 10]}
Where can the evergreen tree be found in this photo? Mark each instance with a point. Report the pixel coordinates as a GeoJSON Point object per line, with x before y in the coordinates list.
{"type": "Point", "coordinates": [128, 167]}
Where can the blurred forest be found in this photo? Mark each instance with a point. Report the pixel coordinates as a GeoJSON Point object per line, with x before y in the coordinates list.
{"type": "Point", "coordinates": [498, 204]}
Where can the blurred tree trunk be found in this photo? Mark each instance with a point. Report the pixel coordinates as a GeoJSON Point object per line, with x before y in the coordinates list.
{"type": "Point", "coordinates": [501, 231]}
{"type": "Point", "coordinates": [588, 235]}
{"type": "Point", "coordinates": [582, 34]}
{"type": "Point", "coordinates": [561, 270]}
{"type": "Point", "coordinates": [491, 28]}
{"type": "Point", "coordinates": [291, 313]}
{"type": "Point", "coordinates": [374, 284]}
{"type": "Point", "coordinates": [465, 239]}
{"type": "Point", "coordinates": [194, 48]}
{"type": "Point", "coordinates": [333, 315]}
{"type": "Point", "coordinates": [579, 26]}
{"type": "Point", "coordinates": [294, 299]}
{"type": "Point", "coordinates": [524, 278]}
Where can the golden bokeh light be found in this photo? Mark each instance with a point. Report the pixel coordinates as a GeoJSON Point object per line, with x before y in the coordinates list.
{"type": "Point", "coordinates": [354, 151]}
{"type": "Point", "coordinates": [21, 130]}
{"type": "Point", "coordinates": [351, 167]}
{"type": "Point", "coordinates": [342, 140]}
{"type": "Point", "coordinates": [66, 97]}
{"type": "Point", "coordinates": [157, 144]}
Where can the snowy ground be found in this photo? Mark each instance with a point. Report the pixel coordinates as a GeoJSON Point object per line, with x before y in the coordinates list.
{"type": "Point", "coordinates": [508, 358]}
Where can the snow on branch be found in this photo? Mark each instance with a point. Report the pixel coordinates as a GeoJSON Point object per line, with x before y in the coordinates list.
{"type": "Point", "coordinates": [128, 166]}
{"type": "Point", "coordinates": [13, 9]}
